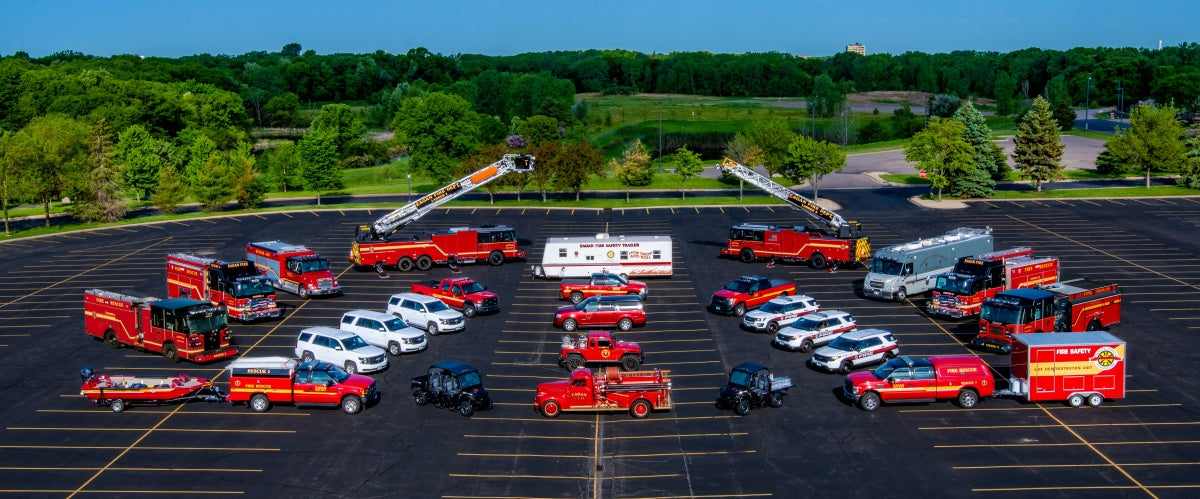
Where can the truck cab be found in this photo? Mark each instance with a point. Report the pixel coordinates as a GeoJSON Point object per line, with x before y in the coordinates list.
{"type": "Point", "coordinates": [293, 268]}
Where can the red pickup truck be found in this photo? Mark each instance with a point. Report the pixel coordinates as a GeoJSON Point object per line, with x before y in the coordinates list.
{"type": "Point", "coordinates": [462, 293]}
{"type": "Point", "coordinates": [965, 378]}
{"type": "Point", "coordinates": [600, 283]}
{"type": "Point", "coordinates": [747, 292]}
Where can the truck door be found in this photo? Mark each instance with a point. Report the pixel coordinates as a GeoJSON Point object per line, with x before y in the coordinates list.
{"type": "Point", "coordinates": [591, 312]}
{"type": "Point", "coordinates": [315, 387]}
{"type": "Point", "coordinates": [580, 392]}
{"type": "Point", "coordinates": [902, 385]}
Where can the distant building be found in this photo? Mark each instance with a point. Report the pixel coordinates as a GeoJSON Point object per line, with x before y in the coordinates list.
{"type": "Point", "coordinates": [857, 48]}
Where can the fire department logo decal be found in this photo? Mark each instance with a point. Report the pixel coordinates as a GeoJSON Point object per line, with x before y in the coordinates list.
{"type": "Point", "coordinates": [1106, 358]}
{"type": "Point", "coordinates": [610, 253]}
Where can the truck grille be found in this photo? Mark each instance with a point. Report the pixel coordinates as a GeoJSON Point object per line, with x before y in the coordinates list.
{"type": "Point", "coordinates": [820, 358]}
{"type": "Point", "coordinates": [490, 304]}
{"type": "Point", "coordinates": [452, 322]}
{"type": "Point", "coordinates": [415, 341]}
{"type": "Point", "coordinates": [325, 283]}
{"type": "Point", "coordinates": [376, 359]}
{"type": "Point", "coordinates": [876, 284]}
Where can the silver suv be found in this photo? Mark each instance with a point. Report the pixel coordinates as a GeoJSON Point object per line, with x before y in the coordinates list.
{"type": "Point", "coordinates": [815, 329]}
{"type": "Point", "coordinates": [340, 348]}
{"type": "Point", "coordinates": [855, 349]}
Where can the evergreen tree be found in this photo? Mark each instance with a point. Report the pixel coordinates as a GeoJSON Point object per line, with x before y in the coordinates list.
{"type": "Point", "coordinates": [249, 188]}
{"type": "Point", "coordinates": [1039, 148]}
{"type": "Point", "coordinates": [1154, 140]}
{"type": "Point", "coordinates": [1190, 173]}
{"type": "Point", "coordinates": [941, 151]}
{"type": "Point", "coordinates": [212, 185]}
{"type": "Point", "coordinates": [977, 180]}
{"type": "Point", "coordinates": [633, 168]}
{"type": "Point", "coordinates": [171, 191]}
{"type": "Point", "coordinates": [99, 198]}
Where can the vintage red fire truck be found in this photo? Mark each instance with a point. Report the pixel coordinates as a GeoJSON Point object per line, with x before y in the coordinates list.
{"type": "Point", "coordinates": [178, 328]}
{"type": "Point", "coordinates": [1070, 306]}
{"type": "Point", "coordinates": [639, 392]}
{"type": "Point", "coordinates": [293, 268]}
{"type": "Point", "coordinates": [962, 291]}
{"type": "Point", "coordinates": [462, 293]}
{"type": "Point", "coordinates": [247, 295]}
{"type": "Point", "coordinates": [1076, 368]}
{"type": "Point", "coordinates": [263, 381]}
{"type": "Point", "coordinates": [495, 244]}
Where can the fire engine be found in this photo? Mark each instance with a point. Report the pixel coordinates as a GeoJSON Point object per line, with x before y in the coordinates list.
{"type": "Point", "coordinates": [178, 328]}
{"type": "Point", "coordinates": [293, 268]}
{"type": "Point", "coordinates": [1075, 305]}
{"type": "Point", "coordinates": [247, 295]}
{"type": "Point", "coordinates": [639, 392]}
{"type": "Point", "coordinates": [260, 382]}
{"type": "Point", "coordinates": [1074, 368]}
{"type": "Point", "coordinates": [962, 291]}
{"type": "Point", "coordinates": [493, 244]}
{"type": "Point", "coordinates": [841, 244]}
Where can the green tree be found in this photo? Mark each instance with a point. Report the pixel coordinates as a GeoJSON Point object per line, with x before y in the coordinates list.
{"type": "Point", "coordinates": [538, 129]}
{"type": "Point", "coordinates": [12, 178]}
{"type": "Point", "coordinates": [439, 129]}
{"type": "Point", "coordinates": [319, 162]}
{"type": "Point", "coordinates": [212, 185]}
{"type": "Point", "coordinates": [1190, 173]}
{"type": "Point", "coordinates": [549, 156]}
{"type": "Point", "coordinates": [1060, 99]}
{"type": "Point", "coordinates": [773, 138]}
{"type": "Point", "coordinates": [485, 156]}
{"type": "Point", "coordinates": [249, 188]}
{"type": "Point", "coordinates": [55, 146]}
{"type": "Point", "coordinates": [941, 151]}
{"type": "Point", "coordinates": [742, 150]}
{"type": "Point", "coordinates": [283, 110]}
{"type": "Point", "coordinates": [140, 155]}
{"type": "Point", "coordinates": [576, 164]}
{"type": "Point", "coordinates": [341, 121]}
{"type": "Point", "coordinates": [688, 165]}
{"type": "Point", "coordinates": [979, 179]}
{"type": "Point", "coordinates": [99, 199]}
{"type": "Point", "coordinates": [1038, 146]}
{"type": "Point", "coordinates": [827, 96]}
{"type": "Point", "coordinates": [905, 123]}
{"type": "Point", "coordinates": [944, 105]}
{"type": "Point", "coordinates": [1153, 141]}
{"type": "Point", "coordinates": [199, 151]}
{"type": "Point", "coordinates": [633, 168]}
{"type": "Point", "coordinates": [1005, 89]}
{"type": "Point", "coordinates": [809, 160]}
{"type": "Point", "coordinates": [171, 191]}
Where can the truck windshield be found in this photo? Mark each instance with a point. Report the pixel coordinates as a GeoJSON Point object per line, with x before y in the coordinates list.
{"type": "Point", "coordinates": [337, 374]}
{"type": "Point", "coordinates": [1000, 314]}
{"type": "Point", "coordinates": [354, 343]}
{"type": "Point", "coordinates": [469, 379]}
{"type": "Point", "coordinates": [436, 306]}
{"type": "Point", "coordinates": [888, 267]}
{"type": "Point", "coordinates": [246, 288]}
{"type": "Point", "coordinates": [886, 369]}
{"type": "Point", "coordinates": [740, 378]}
{"type": "Point", "coordinates": [314, 265]}
{"type": "Point", "coordinates": [957, 286]}
{"type": "Point", "coordinates": [197, 323]}
{"type": "Point", "coordinates": [472, 287]}
{"type": "Point", "coordinates": [739, 286]}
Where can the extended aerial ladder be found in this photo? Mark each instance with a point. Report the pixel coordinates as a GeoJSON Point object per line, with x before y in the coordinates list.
{"type": "Point", "coordinates": [840, 226]}
{"type": "Point", "coordinates": [388, 224]}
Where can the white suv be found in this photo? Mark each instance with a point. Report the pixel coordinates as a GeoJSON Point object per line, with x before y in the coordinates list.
{"type": "Point", "coordinates": [817, 328]}
{"type": "Point", "coordinates": [426, 312]}
{"type": "Point", "coordinates": [340, 348]}
{"type": "Point", "coordinates": [384, 331]}
{"type": "Point", "coordinates": [854, 349]}
{"type": "Point", "coordinates": [779, 312]}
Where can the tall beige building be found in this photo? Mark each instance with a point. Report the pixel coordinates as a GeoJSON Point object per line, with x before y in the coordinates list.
{"type": "Point", "coordinates": [857, 48]}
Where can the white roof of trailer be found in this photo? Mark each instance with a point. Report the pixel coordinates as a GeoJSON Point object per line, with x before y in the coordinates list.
{"type": "Point", "coordinates": [1067, 339]}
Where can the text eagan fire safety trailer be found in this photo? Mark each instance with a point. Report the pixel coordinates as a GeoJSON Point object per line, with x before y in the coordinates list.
{"type": "Point", "coordinates": [1076, 367]}
{"type": "Point", "coordinates": [625, 256]}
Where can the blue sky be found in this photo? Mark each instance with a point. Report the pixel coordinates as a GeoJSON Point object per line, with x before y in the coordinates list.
{"type": "Point", "coordinates": [174, 28]}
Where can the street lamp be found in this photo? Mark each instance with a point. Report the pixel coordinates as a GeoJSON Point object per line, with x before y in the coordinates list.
{"type": "Point", "coordinates": [660, 111]}
{"type": "Point", "coordinates": [812, 112]}
{"type": "Point", "coordinates": [409, 177]}
{"type": "Point", "coordinates": [1120, 100]}
{"type": "Point", "coordinates": [1087, 103]}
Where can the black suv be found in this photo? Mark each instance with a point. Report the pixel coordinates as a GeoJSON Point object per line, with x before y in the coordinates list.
{"type": "Point", "coordinates": [452, 385]}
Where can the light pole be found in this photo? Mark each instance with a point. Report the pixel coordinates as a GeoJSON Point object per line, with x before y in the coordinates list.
{"type": "Point", "coordinates": [812, 112]}
{"type": "Point", "coordinates": [1087, 104]}
{"type": "Point", "coordinates": [1120, 98]}
{"type": "Point", "coordinates": [409, 177]}
{"type": "Point", "coordinates": [660, 111]}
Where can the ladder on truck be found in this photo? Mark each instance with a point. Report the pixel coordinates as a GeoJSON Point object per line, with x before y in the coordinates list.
{"type": "Point", "coordinates": [843, 227]}
{"type": "Point", "coordinates": [396, 220]}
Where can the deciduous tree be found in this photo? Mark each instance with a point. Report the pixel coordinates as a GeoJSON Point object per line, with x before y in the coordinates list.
{"type": "Point", "coordinates": [319, 162]}
{"type": "Point", "coordinates": [171, 191]}
{"type": "Point", "coordinates": [249, 188]}
{"type": "Point", "coordinates": [576, 164]}
{"type": "Point", "coordinates": [439, 129]}
{"type": "Point", "coordinates": [341, 121]}
{"type": "Point", "coordinates": [809, 160]}
{"type": "Point", "coordinates": [687, 165]}
{"type": "Point", "coordinates": [1153, 141]}
{"type": "Point", "coordinates": [1038, 145]}
{"type": "Point", "coordinates": [773, 139]}
{"type": "Point", "coordinates": [941, 151]}
{"type": "Point", "coordinates": [54, 151]}
{"type": "Point", "coordinates": [742, 150]}
{"type": "Point", "coordinates": [633, 168]}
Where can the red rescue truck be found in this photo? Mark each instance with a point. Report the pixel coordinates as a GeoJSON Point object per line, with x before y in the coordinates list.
{"type": "Point", "coordinates": [1076, 305]}
{"type": "Point", "coordinates": [293, 268]}
{"type": "Point", "coordinates": [639, 392]}
{"type": "Point", "coordinates": [961, 292]}
{"type": "Point", "coordinates": [247, 295]}
{"type": "Point", "coordinates": [262, 381]}
{"type": "Point", "coordinates": [492, 243]}
{"type": "Point", "coordinates": [178, 328]}
{"type": "Point", "coordinates": [1075, 368]}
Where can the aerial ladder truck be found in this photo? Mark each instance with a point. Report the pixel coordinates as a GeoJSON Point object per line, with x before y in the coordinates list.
{"type": "Point", "coordinates": [493, 243]}
{"type": "Point", "coordinates": [839, 243]}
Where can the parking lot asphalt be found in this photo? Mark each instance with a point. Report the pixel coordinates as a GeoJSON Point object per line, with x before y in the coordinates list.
{"type": "Point", "coordinates": [55, 443]}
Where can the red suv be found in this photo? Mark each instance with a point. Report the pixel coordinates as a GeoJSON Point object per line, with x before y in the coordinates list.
{"type": "Point", "coordinates": [622, 312]}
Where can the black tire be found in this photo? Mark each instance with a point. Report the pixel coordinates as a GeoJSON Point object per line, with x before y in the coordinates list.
{"type": "Point", "coordinates": [302, 291]}
{"type": "Point", "coordinates": [569, 325]}
{"type": "Point", "coordinates": [625, 324]}
{"type": "Point", "coordinates": [1075, 400]}
{"type": "Point", "coordinates": [496, 258]}
{"type": "Point", "coordinates": [640, 408]}
{"type": "Point", "coordinates": [380, 268]}
{"type": "Point", "coordinates": [575, 361]}
{"type": "Point", "coordinates": [404, 264]}
{"type": "Point", "coordinates": [901, 294]}
{"type": "Point", "coordinates": [466, 409]}
{"type": "Point", "coordinates": [306, 357]}
{"type": "Point", "coordinates": [469, 310]}
{"type": "Point", "coordinates": [775, 400]}
{"type": "Point", "coordinates": [394, 349]}
{"type": "Point", "coordinates": [351, 404]}
{"type": "Point", "coordinates": [846, 367]}
{"type": "Point", "coordinates": [889, 355]}
{"type": "Point", "coordinates": [421, 397]}
{"type": "Point", "coordinates": [968, 398]}
{"type": "Point", "coordinates": [424, 263]}
{"type": "Point", "coordinates": [110, 340]}
{"type": "Point", "coordinates": [869, 401]}
{"type": "Point", "coordinates": [1095, 400]}
{"type": "Point", "coordinates": [576, 297]}
{"type": "Point", "coordinates": [259, 402]}
{"type": "Point", "coordinates": [739, 309]}
{"type": "Point", "coordinates": [117, 405]}
{"type": "Point", "coordinates": [806, 346]}
{"type": "Point", "coordinates": [742, 407]}
{"type": "Point", "coordinates": [773, 327]}
{"type": "Point", "coordinates": [351, 367]}
{"type": "Point", "coordinates": [1094, 325]}
{"type": "Point", "coordinates": [818, 261]}
{"type": "Point", "coordinates": [551, 409]}
{"type": "Point", "coordinates": [170, 352]}
{"type": "Point", "coordinates": [630, 363]}
{"type": "Point", "coordinates": [746, 255]}
{"type": "Point", "coordinates": [432, 327]}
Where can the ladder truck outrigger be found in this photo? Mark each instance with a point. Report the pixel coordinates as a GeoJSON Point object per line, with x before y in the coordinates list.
{"type": "Point", "coordinates": [841, 244]}
{"type": "Point", "coordinates": [492, 243]}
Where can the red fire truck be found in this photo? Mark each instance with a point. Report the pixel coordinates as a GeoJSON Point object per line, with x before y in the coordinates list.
{"type": "Point", "coordinates": [263, 381]}
{"type": "Point", "coordinates": [841, 244]}
{"type": "Point", "coordinates": [1074, 368]}
{"type": "Point", "coordinates": [639, 392]}
{"type": "Point", "coordinates": [293, 268]}
{"type": "Point", "coordinates": [961, 292]}
{"type": "Point", "coordinates": [247, 295]}
{"type": "Point", "coordinates": [179, 328]}
{"type": "Point", "coordinates": [1075, 305]}
{"type": "Point", "coordinates": [490, 243]}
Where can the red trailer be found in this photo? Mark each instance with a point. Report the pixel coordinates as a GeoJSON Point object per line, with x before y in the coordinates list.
{"type": "Point", "coordinates": [1067, 367]}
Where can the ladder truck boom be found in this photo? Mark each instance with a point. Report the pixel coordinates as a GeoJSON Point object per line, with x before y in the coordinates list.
{"type": "Point", "coordinates": [390, 223]}
{"type": "Point", "coordinates": [841, 226]}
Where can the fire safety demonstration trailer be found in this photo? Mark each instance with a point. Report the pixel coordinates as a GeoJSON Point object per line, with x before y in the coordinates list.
{"type": "Point", "coordinates": [1075, 367]}
{"type": "Point", "coordinates": [626, 256]}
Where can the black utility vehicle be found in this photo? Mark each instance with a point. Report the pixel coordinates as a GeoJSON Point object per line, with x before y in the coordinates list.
{"type": "Point", "coordinates": [752, 386]}
{"type": "Point", "coordinates": [452, 385]}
